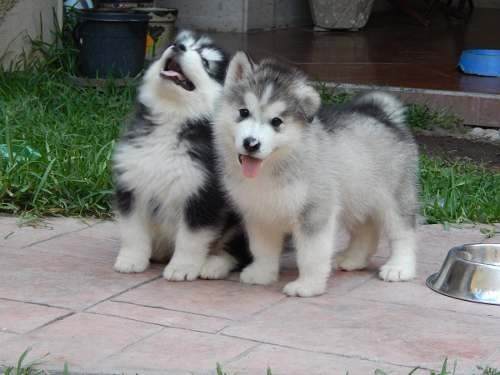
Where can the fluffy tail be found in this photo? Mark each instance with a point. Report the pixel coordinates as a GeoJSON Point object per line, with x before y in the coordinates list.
{"type": "Point", "coordinates": [383, 103]}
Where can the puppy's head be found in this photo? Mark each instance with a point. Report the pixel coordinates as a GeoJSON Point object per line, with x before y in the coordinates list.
{"type": "Point", "coordinates": [190, 70]}
{"type": "Point", "coordinates": [264, 112]}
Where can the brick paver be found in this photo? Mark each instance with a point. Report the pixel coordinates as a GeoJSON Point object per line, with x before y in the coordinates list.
{"type": "Point", "coordinates": [59, 295]}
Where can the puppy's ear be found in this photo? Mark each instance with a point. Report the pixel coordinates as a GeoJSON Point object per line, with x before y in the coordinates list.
{"type": "Point", "coordinates": [239, 67]}
{"type": "Point", "coordinates": [309, 99]}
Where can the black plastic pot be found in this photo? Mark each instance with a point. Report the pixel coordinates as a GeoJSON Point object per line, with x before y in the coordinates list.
{"type": "Point", "coordinates": [111, 44]}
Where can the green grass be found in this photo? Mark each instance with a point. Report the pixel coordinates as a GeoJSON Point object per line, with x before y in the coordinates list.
{"type": "Point", "coordinates": [72, 131]}
{"type": "Point", "coordinates": [29, 368]}
{"type": "Point", "coordinates": [458, 192]}
{"type": "Point", "coordinates": [420, 117]}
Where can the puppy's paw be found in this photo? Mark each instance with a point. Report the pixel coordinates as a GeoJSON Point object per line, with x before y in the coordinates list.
{"type": "Point", "coordinates": [304, 288]}
{"type": "Point", "coordinates": [348, 262]}
{"type": "Point", "coordinates": [258, 274]}
{"type": "Point", "coordinates": [129, 264]}
{"type": "Point", "coordinates": [181, 272]}
{"type": "Point", "coordinates": [217, 267]}
{"type": "Point", "coordinates": [400, 271]}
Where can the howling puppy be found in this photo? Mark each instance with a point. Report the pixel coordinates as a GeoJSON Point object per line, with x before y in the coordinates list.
{"type": "Point", "coordinates": [293, 166]}
{"type": "Point", "coordinates": [169, 198]}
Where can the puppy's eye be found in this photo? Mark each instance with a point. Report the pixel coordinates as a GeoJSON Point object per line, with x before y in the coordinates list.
{"type": "Point", "coordinates": [205, 62]}
{"type": "Point", "coordinates": [276, 122]}
{"type": "Point", "coordinates": [244, 113]}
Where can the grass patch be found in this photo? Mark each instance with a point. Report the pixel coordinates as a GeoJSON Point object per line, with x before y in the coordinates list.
{"type": "Point", "coordinates": [29, 368]}
{"type": "Point", "coordinates": [421, 117]}
{"type": "Point", "coordinates": [458, 192]}
{"type": "Point", "coordinates": [57, 141]}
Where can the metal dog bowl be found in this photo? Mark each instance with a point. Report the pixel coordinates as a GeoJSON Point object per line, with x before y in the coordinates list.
{"type": "Point", "coordinates": [470, 272]}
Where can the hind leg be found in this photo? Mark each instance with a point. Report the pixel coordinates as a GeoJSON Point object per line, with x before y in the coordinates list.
{"type": "Point", "coordinates": [218, 266]}
{"type": "Point", "coordinates": [401, 265]}
{"type": "Point", "coordinates": [363, 244]}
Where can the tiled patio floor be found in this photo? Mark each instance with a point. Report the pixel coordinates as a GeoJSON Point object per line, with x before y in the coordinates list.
{"type": "Point", "coordinates": [59, 295]}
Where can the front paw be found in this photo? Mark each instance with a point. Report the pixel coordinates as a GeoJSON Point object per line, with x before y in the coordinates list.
{"type": "Point", "coordinates": [398, 271]}
{"type": "Point", "coordinates": [258, 274]}
{"type": "Point", "coordinates": [130, 264]}
{"type": "Point", "coordinates": [181, 272]}
{"type": "Point", "coordinates": [304, 288]}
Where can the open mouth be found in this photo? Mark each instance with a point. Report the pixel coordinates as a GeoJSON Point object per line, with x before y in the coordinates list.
{"type": "Point", "coordinates": [250, 166]}
{"type": "Point", "coordinates": [173, 72]}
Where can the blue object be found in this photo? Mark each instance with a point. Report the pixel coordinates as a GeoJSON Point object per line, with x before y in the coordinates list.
{"type": "Point", "coordinates": [481, 62]}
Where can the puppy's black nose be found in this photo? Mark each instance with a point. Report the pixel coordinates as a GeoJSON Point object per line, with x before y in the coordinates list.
{"type": "Point", "coordinates": [179, 47]}
{"type": "Point", "coordinates": [251, 144]}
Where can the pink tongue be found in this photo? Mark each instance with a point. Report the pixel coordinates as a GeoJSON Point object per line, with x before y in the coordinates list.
{"type": "Point", "coordinates": [172, 73]}
{"type": "Point", "coordinates": [250, 166]}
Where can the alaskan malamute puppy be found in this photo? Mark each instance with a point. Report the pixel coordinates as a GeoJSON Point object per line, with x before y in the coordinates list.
{"type": "Point", "coordinates": [293, 166]}
{"type": "Point", "coordinates": [167, 192]}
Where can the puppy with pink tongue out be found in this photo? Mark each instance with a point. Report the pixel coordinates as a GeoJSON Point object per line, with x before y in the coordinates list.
{"type": "Point", "coordinates": [294, 167]}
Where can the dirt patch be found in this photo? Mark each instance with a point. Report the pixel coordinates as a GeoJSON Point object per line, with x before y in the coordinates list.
{"type": "Point", "coordinates": [452, 149]}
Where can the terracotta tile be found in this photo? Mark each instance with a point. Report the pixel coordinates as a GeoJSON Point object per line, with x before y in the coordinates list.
{"type": "Point", "coordinates": [494, 239]}
{"type": "Point", "coordinates": [180, 351]}
{"type": "Point", "coordinates": [4, 336]}
{"type": "Point", "coordinates": [223, 299]}
{"type": "Point", "coordinates": [34, 275]}
{"type": "Point", "coordinates": [80, 340]}
{"type": "Point", "coordinates": [297, 362]}
{"type": "Point", "coordinates": [12, 234]}
{"type": "Point", "coordinates": [103, 229]}
{"type": "Point", "coordinates": [434, 241]}
{"type": "Point", "coordinates": [81, 245]}
{"type": "Point", "coordinates": [22, 317]}
{"type": "Point", "coordinates": [403, 335]}
{"type": "Point", "coordinates": [416, 293]}
{"type": "Point", "coordinates": [161, 316]}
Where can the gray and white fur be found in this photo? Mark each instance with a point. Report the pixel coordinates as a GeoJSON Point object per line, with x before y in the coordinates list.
{"type": "Point", "coordinates": [169, 198]}
{"type": "Point", "coordinates": [294, 166]}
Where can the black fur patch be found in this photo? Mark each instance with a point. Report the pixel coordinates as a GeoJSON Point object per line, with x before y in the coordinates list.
{"type": "Point", "coordinates": [218, 68]}
{"type": "Point", "coordinates": [139, 125]}
{"type": "Point", "coordinates": [197, 135]}
{"type": "Point", "coordinates": [124, 199]}
{"type": "Point", "coordinates": [237, 246]}
{"type": "Point", "coordinates": [335, 117]}
{"type": "Point", "coordinates": [206, 208]}
{"type": "Point", "coordinates": [374, 110]}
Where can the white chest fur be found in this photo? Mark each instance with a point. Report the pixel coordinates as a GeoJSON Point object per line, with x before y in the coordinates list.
{"type": "Point", "coordinates": [267, 200]}
{"type": "Point", "coordinates": [159, 169]}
